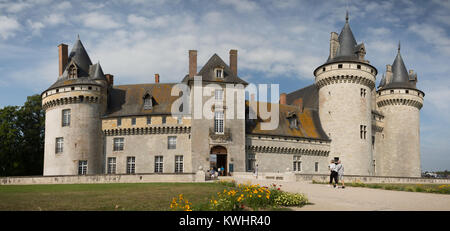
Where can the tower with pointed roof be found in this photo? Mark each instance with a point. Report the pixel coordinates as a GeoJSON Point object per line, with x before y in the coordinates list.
{"type": "Point", "coordinates": [345, 83]}
{"type": "Point", "coordinates": [399, 100]}
{"type": "Point", "coordinates": [73, 107]}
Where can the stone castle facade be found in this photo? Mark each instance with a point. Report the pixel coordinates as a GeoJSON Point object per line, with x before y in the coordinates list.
{"type": "Point", "coordinates": [96, 127]}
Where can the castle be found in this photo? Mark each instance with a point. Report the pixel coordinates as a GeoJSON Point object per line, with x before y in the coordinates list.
{"type": "Point", "coordinates": [95, 127]}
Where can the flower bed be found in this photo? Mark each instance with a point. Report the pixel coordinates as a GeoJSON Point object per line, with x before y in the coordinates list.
{"type": "Point", "coordinates": [245, 197]}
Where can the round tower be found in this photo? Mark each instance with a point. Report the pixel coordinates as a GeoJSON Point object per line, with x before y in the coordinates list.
{"type": "Point", "coordinates": [399, 100]}
{"type": "Point", "coordinates": [345, 84]}
{"type": "Point", "coordinates": [73, 108]}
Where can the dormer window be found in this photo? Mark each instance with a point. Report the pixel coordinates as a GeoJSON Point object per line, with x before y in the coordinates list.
{"type": "Point", "coordinates": [73, 73]}
{"type": "Point", "coordinates": [148, 104]}
{"type": "Point", "coordinates": [218, 72]}
{"type": "Point", "coordinates": [293, 122]}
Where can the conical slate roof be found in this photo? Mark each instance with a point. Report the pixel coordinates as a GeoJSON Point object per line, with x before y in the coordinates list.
{"type": "Point", "coordinates": [347, 45]}
{"type": "Point", "coordinates": [86, 72]}
{"type": "Point", "coordinates": [97, 72]}
{"type": "Point", "coordinates": [80, 57]}
{"type": "Point", "coordinates": [400, 76]}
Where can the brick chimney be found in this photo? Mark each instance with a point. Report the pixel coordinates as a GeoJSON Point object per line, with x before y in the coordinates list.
{"type": "Point", "coordinates": [388, 73]}
{"type": "Point", "coordinates": [156, 78]}
{"type": "Point", "coordinates": [192, 63]}
{"type": "Point", "coordinates": [109, 79]}
{"type": "Point", "coordinates": [233, 61]}
{"type": "Point", "coordinates": [283, 98]}
{"type": "Point", "coordinates": [63, 57]}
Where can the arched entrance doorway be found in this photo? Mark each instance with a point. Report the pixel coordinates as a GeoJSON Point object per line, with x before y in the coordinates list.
{"type": "Point", "coordinates": [218, 158]}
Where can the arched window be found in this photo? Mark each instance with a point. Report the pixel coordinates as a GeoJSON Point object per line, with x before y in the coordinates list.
{"type": "Point", "coordinates": [73, 73]}
{"type": "Point", "coordinates": [148, 104]}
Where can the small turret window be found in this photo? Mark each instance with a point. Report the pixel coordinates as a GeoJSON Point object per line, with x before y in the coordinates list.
{"type": "Point", "coordinates": [339, 65]}
{"type": "Point", "coordinates": [73, 73]}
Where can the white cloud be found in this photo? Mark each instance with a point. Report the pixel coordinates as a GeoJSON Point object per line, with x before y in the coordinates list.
{"type": "Point", "coordinates": [63, 6]}
{"type": "Point", "coordinates": [97, 20]}
{"type": "Point", "coordinates": [434, 35]}
{"type": "Point", "coordinates": [8, 27]}
{"type": "Point", "coordinates": [140, 21]}
{"type": "Point", "coordinates": [35, 27]}
{"type": "Point", "coordinates": [55, 19]}
{"type": "Point", "coordinates": [243, 6]}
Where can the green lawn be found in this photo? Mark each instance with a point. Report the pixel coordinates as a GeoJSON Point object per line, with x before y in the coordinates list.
{"type": "Point", "coordinates": [428, 188]}
{"type": "Point", "coordinates": [75, 197]}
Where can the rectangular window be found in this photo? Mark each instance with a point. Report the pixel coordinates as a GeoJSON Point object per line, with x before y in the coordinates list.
{"type": "Point", "coordinates": [339, 65]}
{"type": "Point", "coordinates": [218, 95]}
{"type": "Point", "coordinates": [59, 145]}
{"type": "Point", "coordinates": [119, 122]}
{"type": "Point", "coordinates": [316, 166]}
{"type": "Point", "coordinates": [131, 165]}
{"type": "Point", "coordinates": [362, 131]}
{"type": "Point", "coordinates": [179, 120]}
{"type": "Point", "coordinates": [66, 117]}
{"type": "Point", "coordinates": [297, 164]}
{"type": "Point", "coordinates": [163, 120]}
{"type": "Point", "coordinates": [218, 122]}
{"type": "Point", "coordinates": [219, 73]}
{"type": "Point", "coordinates": [358, 66]}
{"type": "Point", "coordinates": [133, 121]}
{"type": "Point", "coordinates": [251, 160]}
{"type": "Point", "coordinates": [118, 144]}
{"type": "Point", "coordinates": [111, 165]}
{"type": "Point", "coordinates": [159, 164]}
{"type": "Point", "coordinates": [82, 167]}
{"type": "Point", "coordinates": [172, 142]}
{"type": "Point", "coordinates": [178, 163]}
{"type": "Point", "coordinates": [149, 120]}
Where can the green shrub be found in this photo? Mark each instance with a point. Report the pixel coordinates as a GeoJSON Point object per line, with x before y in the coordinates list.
{"type": "Point", "coordinates": [290, 199]}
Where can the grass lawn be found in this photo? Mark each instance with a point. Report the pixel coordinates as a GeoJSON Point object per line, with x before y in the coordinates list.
{"type": "Point", "coordinates": [428, 188]}
{"type": "Point", "coordinates": [103, 197]}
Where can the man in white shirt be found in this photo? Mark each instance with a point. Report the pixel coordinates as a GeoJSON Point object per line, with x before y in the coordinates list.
{"type": "Point", "coordinates": [332, 167]}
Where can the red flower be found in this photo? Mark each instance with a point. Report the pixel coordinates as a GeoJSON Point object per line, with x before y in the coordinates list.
{"type": "Point", "coordinates": [278, 188]}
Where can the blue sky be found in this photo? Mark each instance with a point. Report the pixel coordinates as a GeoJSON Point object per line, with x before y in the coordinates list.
{"type": "Point", "coordinates": [278, 42]}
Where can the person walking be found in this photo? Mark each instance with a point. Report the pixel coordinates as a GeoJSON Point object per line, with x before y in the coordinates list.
{"type": "Point", "coordinates": [333, 173]}
{"type": "Point", "coordinates": [340, 171]}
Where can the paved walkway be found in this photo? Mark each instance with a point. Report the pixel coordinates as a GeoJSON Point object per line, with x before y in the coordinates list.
{"type": "Point", "coordinates": [324, 198]}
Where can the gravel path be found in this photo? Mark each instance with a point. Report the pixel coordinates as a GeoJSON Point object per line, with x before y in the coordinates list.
{"type": "Point", "coordinates": [324, 198]}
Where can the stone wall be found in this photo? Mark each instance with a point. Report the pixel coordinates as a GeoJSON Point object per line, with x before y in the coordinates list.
{"type": "Point", "coordinates": [100, 179]}
{"type": "Point", "coordinates": [324, 178]}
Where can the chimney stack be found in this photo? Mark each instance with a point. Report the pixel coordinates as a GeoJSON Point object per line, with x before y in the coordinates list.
{"type": "Point", "coordinates": [156, 78]}
{"type": "Point", "coordinates": [192, 63]}
{"type": "Point", "coordinates": [252, 97]}
{"type": "Point", "coordinates": [109, 79]}
{"type": "Point", "coordinates": [388, 73]}
{"type": "Point", "coordinates": [233, 61]}
{"type": "Point", "coordinates": [334, 44]}
{"type": "Point", "coordinates": [63, 57]}
{"type": "Point", "coordinates": [283, 98]}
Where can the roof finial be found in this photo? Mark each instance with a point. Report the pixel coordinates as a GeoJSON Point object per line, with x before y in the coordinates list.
{"type": "Point", "coordinates": [78, 36]}
{"type": "Point", "coordinates": [398, 46]}
{"type": "Point", "coordinates": [346, 16]}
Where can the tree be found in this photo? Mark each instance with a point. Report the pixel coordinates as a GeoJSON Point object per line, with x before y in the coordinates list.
{"type": "Point", "coordinates": [22, 138]}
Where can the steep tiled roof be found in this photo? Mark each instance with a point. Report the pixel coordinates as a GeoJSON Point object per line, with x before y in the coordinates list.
{"type": "Point", "coordinates": [125, 100]}
{"type": "Point", "coordinates": [308, 123]}
{"type": "Point", "coordinates": [309, 96]}
{"type": "Point", "coordinates": [208, 75]}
